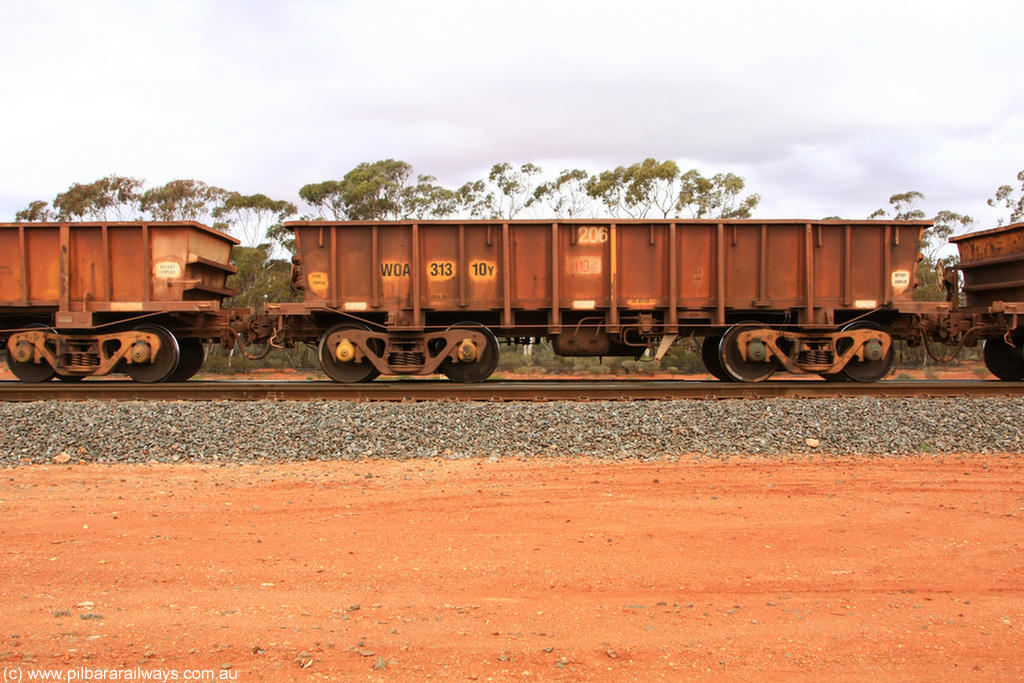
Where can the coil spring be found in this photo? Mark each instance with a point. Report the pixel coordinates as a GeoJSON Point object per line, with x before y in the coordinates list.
{"type": "Point", "coordinates": [80, 360]}
{"type": "Point", "coordinates": [406, 359]}
{"type": "Point", "coordinates": [816, 357]}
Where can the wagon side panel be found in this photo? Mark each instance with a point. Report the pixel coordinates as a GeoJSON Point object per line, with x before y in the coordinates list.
{"type": "Point", "coordinates": [42, 257]}
{"type": "Point", "coordinates": [13, 287]}
{"type": "Point", "coordinates": [530, 266]}
{"type": "Point", "coordinates": [128, 284]}
{"type": "Point", "coordinates": [696, 254]}
{"type": "Point", "coordinates": [643, 266]}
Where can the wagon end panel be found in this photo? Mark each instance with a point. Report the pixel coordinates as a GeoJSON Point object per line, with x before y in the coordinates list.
{"type": "Point", "coordinates": [992, 262]}
{"type": "Point", "coordinates": [188, 262]}
{"type": "Point", "coordinates": [208, 265]}
{"type": "Point", "coordinates": [313, 249]}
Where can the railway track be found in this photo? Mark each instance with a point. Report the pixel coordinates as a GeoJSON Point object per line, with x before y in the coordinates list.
{"type": "Point", "coordinates": [539, 390]}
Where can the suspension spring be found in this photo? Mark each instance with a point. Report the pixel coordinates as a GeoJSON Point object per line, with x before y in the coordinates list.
{"type": "Point", "coordinates": [403, 359]}
{"type": "Point", "coordinates": [77, 359]}
{"type": "Point", "coordinates": [815, 357]}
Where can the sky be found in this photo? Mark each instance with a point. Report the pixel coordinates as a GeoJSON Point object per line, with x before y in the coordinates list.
{"type": "Point", "coordinates": [825, 108]}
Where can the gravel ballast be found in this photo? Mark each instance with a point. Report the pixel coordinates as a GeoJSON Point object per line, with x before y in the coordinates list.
{"type": "Point", "coordinates": [226, 431]}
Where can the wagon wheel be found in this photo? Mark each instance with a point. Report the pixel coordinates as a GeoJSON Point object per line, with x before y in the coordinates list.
{"type": "Point", "coordinates": [159, 368]}
{"type": "Point", "coordinates": [29, 371]}
{"type": "Point", "coordinates": [735, 365]}
{"type": "Point", "coordinates": [345, 371]}
{"type": "Point", "coordinates": [866, 370]}
{"type": "Point", "coordinates": [191, 354]}
{"type": "Point", "coordinates": [1004, 361]}
{"type": "Point", "coordinates": [485, 363]}
{"type": "Point", "coordinates": [709, 354]}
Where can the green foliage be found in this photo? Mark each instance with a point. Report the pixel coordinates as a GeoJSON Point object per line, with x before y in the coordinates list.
{"type": "Point", "coordinates": [609, 188]}
{"type": "Point", "coordinates": [260, 278]}
{"type": "Point", "coordinates": [113, 198]}
{"type": "Point", "coordinates": [516, 188]}
{"type": "Point", "coordinates": [651, 184]}
{"type": "Point", "coordinates": [932, 267]}
{"type": "Point", "coordinates": [715, 197]}
{"type": "Point", "coordinates": [256, 217]}
{"type": "Point", "coordinates": [903, 206]}
{"type": "Point", "coordinates": [327, 197]}
{"type": "Point", "coordinates": [426, 199]}
{"type": "Point", "coordinates": [566, 194]}
{"type": "Point", "coordinates": [1010, 199]}
{"type": "Point", "coordinates": [36, 212]}
{"type": "Point", "coordinates": [381, 190]}
{"type": "Point", "coordinates": [474, 199]}
{"type": "Point", "coordinates": [181, 200]}
{"type": "Point", "coordinates": [374, 191]}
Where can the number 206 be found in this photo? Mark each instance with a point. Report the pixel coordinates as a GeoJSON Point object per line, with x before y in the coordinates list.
{"type": "Point", "coordinates": [594, 234]}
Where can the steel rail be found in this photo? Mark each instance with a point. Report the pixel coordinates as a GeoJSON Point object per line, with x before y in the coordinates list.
{"type": "Point", "coordinates": [537, 390]}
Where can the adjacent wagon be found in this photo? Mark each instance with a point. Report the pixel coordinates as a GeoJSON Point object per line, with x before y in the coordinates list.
{"type": "Point", "coordinates": [81, 299]}
{"type": "Point", "coordinates": [992, 263]}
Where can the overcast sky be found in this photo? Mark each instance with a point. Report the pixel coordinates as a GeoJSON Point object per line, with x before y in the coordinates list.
{"type": "Point", "coordinates": [826, 108]}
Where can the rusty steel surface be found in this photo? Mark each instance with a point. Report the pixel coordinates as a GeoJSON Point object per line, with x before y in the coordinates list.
{"type": "Point", "coordinates": [550, 390]}
{"type": "Point", "coordinates": [546, 277]}
{"type": "Point", "coordinates": [79, 269]}
{"type": "Point", "coordinates": [992, 262]}
{"type": "Point", "coordinates": [79, 299]}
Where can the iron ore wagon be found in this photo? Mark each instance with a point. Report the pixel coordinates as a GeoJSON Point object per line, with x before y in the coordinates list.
{"type": "Point", "coordinates": [81, 299]}
{"type": "Point", "coordinates": [415, 298]}
{"type": "Point", "coordinates": [992, 263]}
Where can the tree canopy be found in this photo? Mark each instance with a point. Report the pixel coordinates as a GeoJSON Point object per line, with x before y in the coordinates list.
{"type": "Point", "coordinates": [1008, 198]}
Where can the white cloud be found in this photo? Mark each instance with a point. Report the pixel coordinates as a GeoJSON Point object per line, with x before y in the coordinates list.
{"type": "Point", "coordinates": [826, 108]}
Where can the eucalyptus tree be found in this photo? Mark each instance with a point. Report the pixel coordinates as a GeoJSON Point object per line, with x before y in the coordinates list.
{"type": "Point", "coordinates": [255, 218]}
{"type": "Point", "coordinates": [36, 212]}
{"type": "Point", "coordinates": [715, 197]}
{"type": "Point", "coordinates": [1009, 198]}
{"type": "Point", "coordinates": [112, 198]}
{"type": "Point", "coordinates": [566, 195]}
{"type": "Point", "coordinates": [182, 200]}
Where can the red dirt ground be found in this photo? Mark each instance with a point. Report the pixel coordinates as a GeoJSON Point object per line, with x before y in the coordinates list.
{"type": "Point", "coordinates": [580, 570]}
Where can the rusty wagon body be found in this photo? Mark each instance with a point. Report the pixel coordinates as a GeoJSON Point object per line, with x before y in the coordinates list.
{"type": "Point", "coordinates": [428, 296]}
{"type": "Point", "coordinates": [992, 263]}
{"type": "Point", "coordinates": [821, 297]}
{"type": "Point", "coordinates": [80, 299]}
